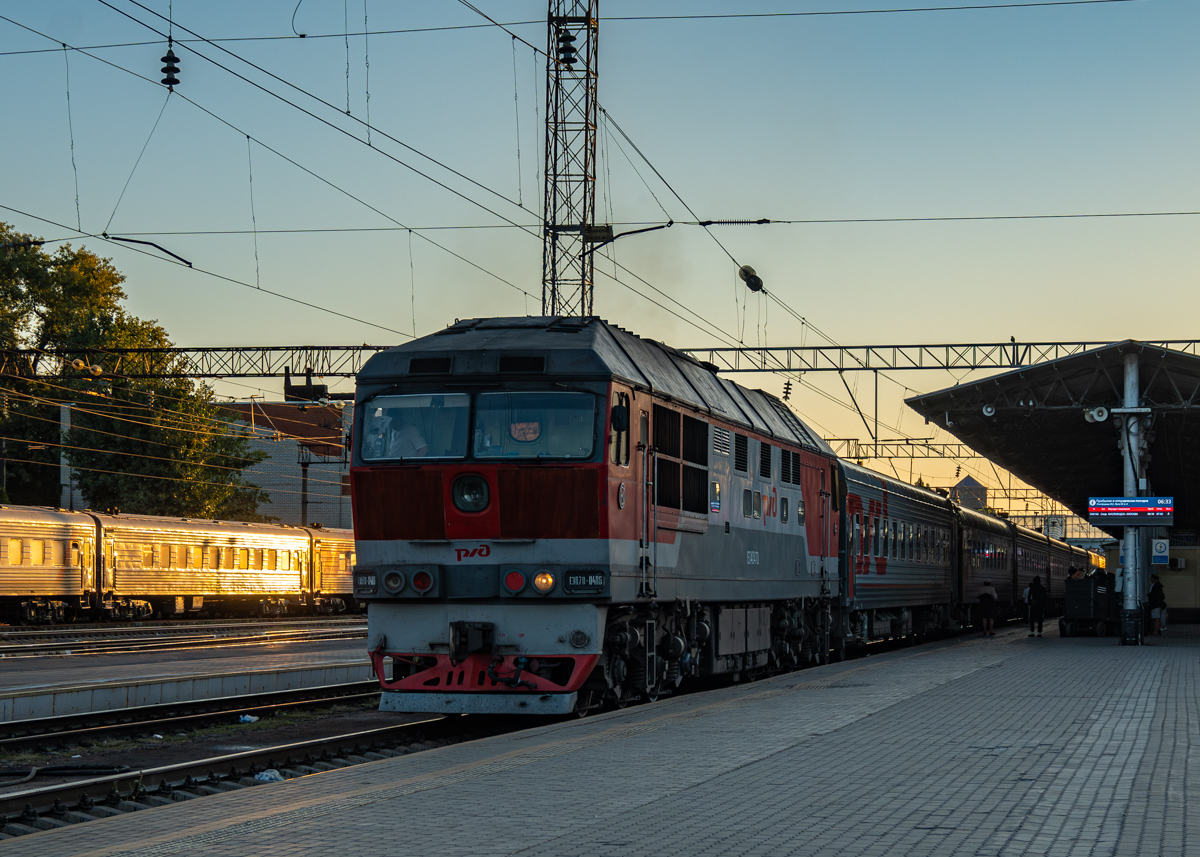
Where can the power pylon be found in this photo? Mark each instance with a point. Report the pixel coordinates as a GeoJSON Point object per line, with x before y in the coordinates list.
{"type": "Point", "coordinates": [571, 110]}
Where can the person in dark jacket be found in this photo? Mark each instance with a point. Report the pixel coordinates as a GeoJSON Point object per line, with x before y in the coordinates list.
{"type": "Point", "coordinates": [1158, 605]}
{"type": "Point", "coordinates": [988, 602]}
{"type": "Point", "coordinates": [1036, 598]}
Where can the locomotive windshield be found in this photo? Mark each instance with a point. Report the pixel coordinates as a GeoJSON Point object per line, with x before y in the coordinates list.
{"type": "Point", "coordinates": [421, 426]}
{"type": "Point", "coordinates": [535, 424]}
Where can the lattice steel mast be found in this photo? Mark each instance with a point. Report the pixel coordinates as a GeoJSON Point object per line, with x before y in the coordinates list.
{"type": "Point", "coordinates": [570, 203]}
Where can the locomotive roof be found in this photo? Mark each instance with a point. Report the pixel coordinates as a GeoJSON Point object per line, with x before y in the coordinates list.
{"type": "Point", "coordinates": [540, 347]}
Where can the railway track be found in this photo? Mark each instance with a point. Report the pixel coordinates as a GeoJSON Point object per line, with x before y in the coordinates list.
{"type": "Point", "coordinates": [44, 808]}
{"type": "Point", "coordinates": [133, 639]}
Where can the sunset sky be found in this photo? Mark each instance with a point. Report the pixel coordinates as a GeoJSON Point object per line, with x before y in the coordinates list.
{"type": "Point", "coordinates": [906, 116]}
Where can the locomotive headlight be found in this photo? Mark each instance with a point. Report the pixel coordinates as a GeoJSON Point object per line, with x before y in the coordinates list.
{"type": "Point", "coordinates": [543, 582]}
{"type": "Point", "coordinates": [393, 581]}
{"type": "Point", "coordinates": [470, 493]}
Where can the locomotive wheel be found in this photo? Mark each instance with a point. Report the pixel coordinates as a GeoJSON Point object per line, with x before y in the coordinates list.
{"type": "Point", "coordinates": [1066, 629]}
{"type": "Point", "coordinates": [1101, 628]}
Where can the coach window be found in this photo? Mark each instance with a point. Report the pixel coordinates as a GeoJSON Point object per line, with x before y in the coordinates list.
{"type": "Point", "coordinates": [243, 558]}
{"type": "Point", "coordinates": [37, 552]}
{"type": "Point", "coordinates": [147, 556]}
{"type": "Point", "coordinates": [256, 558]}
{"type": "Point", "coordinates": [285, 560]}
{"type": "Point", "coordinates": [195, 556]}
{"type": "Point", "coordinates": [855, 536]}
{"type": "Point", "coordinates": [15, 550]}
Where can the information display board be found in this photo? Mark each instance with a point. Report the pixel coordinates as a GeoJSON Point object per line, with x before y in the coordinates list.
{"type": "Point", "coordinates": [1150, 511]}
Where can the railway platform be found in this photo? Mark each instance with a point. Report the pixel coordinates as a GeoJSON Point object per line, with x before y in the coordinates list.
{"type": "Point", "coordinates": [996, 746]}
{"type": "Point", "coordinates": [56, 685]}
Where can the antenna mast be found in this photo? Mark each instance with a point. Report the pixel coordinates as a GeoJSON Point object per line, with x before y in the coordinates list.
{"type": "Point", "coordinates": [570, 204]}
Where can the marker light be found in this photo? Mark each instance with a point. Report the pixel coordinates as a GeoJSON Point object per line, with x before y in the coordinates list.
{"type": "Point", "coordinates": [543, 582]}
{"type": "Point", "coordinates": [422, 581]}
{"type": "Point", "coordinates": [470, 493]}
{"type": "Point", "coordinates": [514, 581]}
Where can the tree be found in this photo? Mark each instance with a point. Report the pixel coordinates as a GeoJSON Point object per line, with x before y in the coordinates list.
{"type": "Point", "coordinates": [154, 446]}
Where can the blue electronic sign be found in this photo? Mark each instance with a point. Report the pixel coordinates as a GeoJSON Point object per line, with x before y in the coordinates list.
{"type": "Point", "coordinates": [1150, 511]}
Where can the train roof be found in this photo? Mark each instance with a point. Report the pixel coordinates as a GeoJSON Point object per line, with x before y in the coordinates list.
{"type": "Point", "coordinates": [44, 515]}
{"type": "Point", "coordinates": [538, 347]}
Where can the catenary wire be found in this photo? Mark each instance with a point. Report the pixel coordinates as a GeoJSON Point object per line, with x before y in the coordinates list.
{"type": "Point", "coordinates": [294, 163]}
{"type": "Point", "coordinates": [211, 274]}
{"type": "Point", "coordinates": [726, 16]}
{"type": "Point", "coordinates": [324, 121]}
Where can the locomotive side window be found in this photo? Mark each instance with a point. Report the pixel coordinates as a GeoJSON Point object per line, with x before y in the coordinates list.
{"type": "Point", "coordinates": [783, 510]}
{"type": "Point", "coordinates": [757, 504]}
{"type": "Point", "coordinates": [418, 426]}
{"type": "Point", "coordinates": [619, 440]}
{"type": "Point", "coordinates": [800, 510]}
{"type": "Point", "coordinates": [747, 503]}
{"type": "Point", "coordinates": [532, 425]}
{"type": "Point", "coordinates": [714, 497]}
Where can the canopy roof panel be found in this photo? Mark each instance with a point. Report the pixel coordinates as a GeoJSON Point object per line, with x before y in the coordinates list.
{"type": "Point", "coordinates": [1031, 421]}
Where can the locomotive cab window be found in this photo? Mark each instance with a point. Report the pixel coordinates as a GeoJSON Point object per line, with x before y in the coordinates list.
{"type": "Point", "coordinates": [416, 426]}
{"type": "Point", "coordinates": [535, 425]}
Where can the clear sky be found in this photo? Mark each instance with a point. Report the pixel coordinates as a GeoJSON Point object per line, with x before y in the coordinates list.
{"type": "Point", "coordinates": [1049, 110]}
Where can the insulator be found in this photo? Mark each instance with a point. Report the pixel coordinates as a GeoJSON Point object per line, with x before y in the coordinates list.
{"type": "Point", "coordinates": [170, 68]}
{"type": "Point", "coordinates": [565, 39]}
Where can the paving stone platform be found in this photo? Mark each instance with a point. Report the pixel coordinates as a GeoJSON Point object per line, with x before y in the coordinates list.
{"type": "Point", "coordinates": [997, 746]}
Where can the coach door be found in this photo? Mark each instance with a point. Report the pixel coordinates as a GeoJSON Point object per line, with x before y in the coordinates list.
{"type": "Point", "coordinates": [81, 561]}
{"type": "Point", "coordinates": [107, 565]}
{"type": "Point", "coordinates": [318, 567]}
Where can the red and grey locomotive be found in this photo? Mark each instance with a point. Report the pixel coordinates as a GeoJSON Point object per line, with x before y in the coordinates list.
{"type": "Point", "coordinates": [552, 514]}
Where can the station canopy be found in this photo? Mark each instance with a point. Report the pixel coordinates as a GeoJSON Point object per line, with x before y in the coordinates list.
{"type": "Point", "coordinates": [1033, 422]}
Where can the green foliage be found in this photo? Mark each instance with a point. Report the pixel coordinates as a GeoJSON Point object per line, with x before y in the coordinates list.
{"type": "Point", "coordinates": [155, 446]}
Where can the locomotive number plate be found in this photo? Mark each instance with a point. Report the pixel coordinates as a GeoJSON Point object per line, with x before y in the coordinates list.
{"type": "Point", "coordinates": [585, 582]}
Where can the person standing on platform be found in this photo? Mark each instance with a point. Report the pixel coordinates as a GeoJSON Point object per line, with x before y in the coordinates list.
{"type": "Point", "coordinates": [987, 608]}
{"type": "Point", "coordinates": [1035, 598]}
{"type": "Point", "coordinates": [1158, 605]}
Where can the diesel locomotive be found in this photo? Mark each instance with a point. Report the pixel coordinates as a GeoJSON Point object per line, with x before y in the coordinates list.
{"type": "Point", "coordinates": [58, 566]}
{"type": "Point", "coordinates": [553, 514]}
